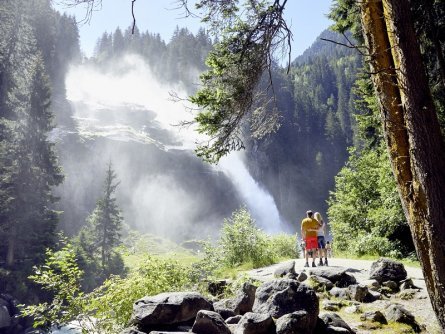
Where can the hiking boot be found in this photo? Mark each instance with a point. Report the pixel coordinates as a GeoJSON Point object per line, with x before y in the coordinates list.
{"type": "Point", "coordinates": [320, 263]}
{"type": "Point", "coordinates": [307, 264]}
{"type": "Point", "coordinates": [326, 262]}
{"type": "Point", "coordinates": [313, 264]}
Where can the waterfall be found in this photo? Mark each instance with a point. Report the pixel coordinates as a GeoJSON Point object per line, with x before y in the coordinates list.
{"type": "Point", "coordinates": [257, 199]}
{"type": "Point", "coordinates": [109, 103]}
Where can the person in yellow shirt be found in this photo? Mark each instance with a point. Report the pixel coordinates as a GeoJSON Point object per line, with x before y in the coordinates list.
{"type": "Point", "coordinates": [309, 228]}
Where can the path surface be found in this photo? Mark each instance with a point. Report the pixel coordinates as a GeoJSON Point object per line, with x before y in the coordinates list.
{"type": "Point", "coordinates": [420, 306]}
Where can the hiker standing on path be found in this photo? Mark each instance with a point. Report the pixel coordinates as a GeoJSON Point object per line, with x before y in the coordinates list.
{"type": "Point", "coordinates": [309, 228]}
{"type": "Point", "coordinates": [321, 240]}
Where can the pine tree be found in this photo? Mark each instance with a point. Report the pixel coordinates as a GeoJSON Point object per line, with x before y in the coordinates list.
{"type": "Point", "coordinates": [105, 223]}
{"type": "Point", "coordinates": [28, 164]}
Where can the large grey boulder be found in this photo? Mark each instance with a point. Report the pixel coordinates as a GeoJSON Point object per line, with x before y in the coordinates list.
{"type": "Point", "coordinates": [280, 297]}
{"type": "Point", "coordinates": [209, 322]}
{"type": "Point", "coordinates": [255, 323]}
{"type": "Point", "coordinates": [296, 322]}
{"type": "Point", "coordinates": [245, 298]}
{"type": "Point", "coordinates": [387, 270]}
{"type": "Point", "coordinates": [240, 304]}
{"type": "Point", "coordinates": [168, 309]}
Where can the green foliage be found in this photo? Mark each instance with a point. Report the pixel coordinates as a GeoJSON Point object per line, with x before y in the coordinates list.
{"type": "Point", "coordinates": [365, 213]}
{"type": "Point", "coordinates": [285, 246]}
{"type": "Point", "coordinates": [112, 303]}
{"type": "Point", "coordinates": [210, 264]}
{"type": "Point", "coordinates": [242, 245]}
{"type": "Point", "coordinates": [60, 275]}
{"type": "Point", "coordinates": [31, 61]}
{"type": "Point", "coordinates": [236, 65]}
{"type": "Point", "coordinates": [241, 241]}
{"type": "Point", "coordinates": [99, 238]}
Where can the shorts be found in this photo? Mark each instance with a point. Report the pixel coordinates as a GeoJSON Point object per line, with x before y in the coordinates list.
{"type": "Point", "coordinates": [311, 243]}
{"type": "Point", "coordinates": [321, 242]}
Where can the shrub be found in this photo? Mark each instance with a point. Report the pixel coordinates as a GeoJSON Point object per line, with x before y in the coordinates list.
{"type": "Point", "coordinates": [151, 277]}
{"type": "Point", "coordinates": [60, 275]}
{"type": "Point", "coordinates": [242, 242]}
{"type": "Point", "coordinates": [285, 245]}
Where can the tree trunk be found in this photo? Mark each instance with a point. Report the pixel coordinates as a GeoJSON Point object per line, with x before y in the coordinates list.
{"type": "Point", "coordinates": [412, 133]}
{"type": "Point", "coordinates": [10, 255]}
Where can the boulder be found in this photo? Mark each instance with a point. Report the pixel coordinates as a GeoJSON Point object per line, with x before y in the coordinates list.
{"type": "Point", "coordinates": [334, 320]}
{"type": "Point", "coordinates": [387, 270]}
{"type": "Point", "coordinates": [357, 292]}
{"type": "Point", "coordinates": [302, 277]}
{"type": "Point", "coordinates": [330, 305]}
{"type": "Point", "coordinates": [372, 296]}
{"type": "Point", "coordinates": [375, 316]}
{"type": "Point", "coordinates": [341, 293]}
{"type": "Point", "coordinates": [245, 298]}
{"type": "Point", "coordinates": [11, 303]}
{"type": "Point", "coordinates": [319, 284]}
{"type": "Point", "coordinates": [240, 304]}
{"type": "Point", "coordinates": [372, 284]}
{"type": "Point", "coordinates": [391, 286]}
{"type": "Point", "coordinates": [5, 317]}
{"type": "Point", "coordinates": [280, 297]}
{"type": "Point", "coordinates": [407, 284]}
{"type": "Point", "coordinates": [168, 309]}
{"type": "Point", "coordinates": [255, 323]}
{"type": "Point", "coordinates": [353, 309]}
{"type": "Point", "coordinates": [285, 269]}
{"type": "Point", "coordinates": [339, 277]}
{"type": "Point", "coordinates": [398, 313]}
{"type": "Point", "coordinates": [225, 308]}
{"type": "Point", "coordinates": [296, 322]}
{"type": "Point", "coordinates": [209, 322]}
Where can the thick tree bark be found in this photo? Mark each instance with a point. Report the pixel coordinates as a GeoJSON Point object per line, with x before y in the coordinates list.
{"type": "Point", "coordinates": [412, 132]}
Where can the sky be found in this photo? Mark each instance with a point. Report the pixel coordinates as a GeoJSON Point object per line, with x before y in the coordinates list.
{"type": "Point", "coordinates": [307, 19]}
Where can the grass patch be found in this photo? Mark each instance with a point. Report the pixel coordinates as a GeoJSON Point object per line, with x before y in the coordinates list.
{"type": "Point", "coordinates": [137, 247]}
{"type": "Point", "coordinates": [353, 320]}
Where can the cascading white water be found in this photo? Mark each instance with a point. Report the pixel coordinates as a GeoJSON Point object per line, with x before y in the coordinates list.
{"type": "Point", "coordinates": [259, 202]}
{"type": "Point", "coordinates": [131, 86]}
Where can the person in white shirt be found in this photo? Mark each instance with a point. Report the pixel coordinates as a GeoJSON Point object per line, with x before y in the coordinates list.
{"type": "Point", "coordinates": [321, 240]}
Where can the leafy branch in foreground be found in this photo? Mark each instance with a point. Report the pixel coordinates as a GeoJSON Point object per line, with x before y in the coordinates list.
{"type": "Point", "coordinates": [60, 275]}
{"type": "Point", "coordinates": [236, 67]}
